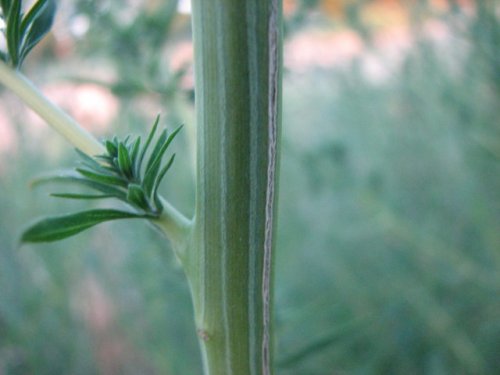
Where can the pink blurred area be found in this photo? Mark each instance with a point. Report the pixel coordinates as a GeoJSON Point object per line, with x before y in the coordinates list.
{"type": "Point", "coordinates": [113, 351]}
{"type": "Point", "coordinates": [312, 47]}
{"type": "Point", "coordinates": [337, 46]}
{"type": "Point", "coordinates": [93, 106]}
{"type": "Point", "coordinates": [8, 135]}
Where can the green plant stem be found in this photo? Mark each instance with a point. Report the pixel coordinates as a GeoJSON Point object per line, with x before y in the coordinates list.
{"type": "Point", "coordinates": [237, 66]}
{"type": "Point", "coordinates": [171, 222]}
{"type": "Point", "coordinates": [176, 227]}
{"type": "Point", "coordinates": [53, 115]}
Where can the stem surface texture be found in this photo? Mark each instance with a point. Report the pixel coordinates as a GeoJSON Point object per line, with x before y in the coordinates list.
{"type": "Point", "coordinates": [238, 84]}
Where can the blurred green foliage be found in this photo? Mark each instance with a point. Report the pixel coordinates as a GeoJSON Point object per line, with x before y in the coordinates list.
{"type": "Point", "coordinates": [388, 257]}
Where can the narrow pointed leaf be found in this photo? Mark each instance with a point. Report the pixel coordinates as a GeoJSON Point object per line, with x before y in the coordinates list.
{"type": "Point", "coordinates": [149, 179]}
{"type": "Point", "coordinates": [76, 179]}
{"type": "Point", "coordinates": [133, 156]}
{"type": "Point", "coordinates": [134, 148]}
{"type": "Point", "coordinates": [36, 24]}
{"type": "Point", "coordinates": [159, 143]}
{"type": "Point", "coordinates": [86, 157]}
{"type": "Point", "coordinates": [152, 172]}
{"type": "Point", "coordinates": [103, 188]}
{"type": "Point", "coordinates": [102, 178]}
{"type": "Point", "coordinates": [60, 176]}
{"type": "Point", "coordinates": [5, 7]}
{"type": "Point", "coordinates": [148, 142]}
{"type": "Point", "coordinates": [60, 227]}
{"type": "Point", "coordinates": [93, 164]}
{"type": "Point", "coordinates": [136, 197]}
{"type": "Point", "coordinates": [111, 148]}
{"type": "Point", "coordinates": [32, 14]}
{"type": "Point", "coordinates": [13, 31]}
{"type": "Point", "coordinates": [124, 161]}
{"type": "Point", "coordinates": [153, 165]}
{"type": "Point", "coordinates": [173, 134]}
{"type": "Point", "coordinates": [102, 169]}
{"type": "Point", "coordinates": [81, 196]}
{"type": "Point", "coordinates": [162, 174]}
{"type": "Point", "coordinates": [158, 154]}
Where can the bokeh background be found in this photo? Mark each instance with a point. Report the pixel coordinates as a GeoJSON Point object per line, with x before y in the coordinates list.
{"type": "Point", "coordinates": [388, 253]}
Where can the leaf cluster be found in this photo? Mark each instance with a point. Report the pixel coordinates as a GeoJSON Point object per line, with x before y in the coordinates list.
{"type": "Point", "coordinates": [23, 31]}
{"type": "Point", "coordinates": [128, 171]}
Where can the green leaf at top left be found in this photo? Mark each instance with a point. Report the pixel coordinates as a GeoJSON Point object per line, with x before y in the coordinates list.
{"type": "Point", "coordinates": [36, 24]}
{"type": "Point", "coordinates": [60, 227]}
{"type": "Point", "coordinates": [12, 31]}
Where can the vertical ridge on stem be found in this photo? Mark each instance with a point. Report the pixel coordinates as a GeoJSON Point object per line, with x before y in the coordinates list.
{"type": "Point", "coordinates": [273, 108]}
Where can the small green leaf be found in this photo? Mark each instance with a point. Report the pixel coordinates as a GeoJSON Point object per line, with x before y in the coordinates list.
{"type": "Point", "coordinates": [111, 148]}
{"type": "Point", "coordinates": [12, 31]}
{"type": "Point", "coordinates": [136, 197]}
{"type": "Point", "coordinates": [60, 227]}
{"type": "Point", "coordinates": [133, 156]}
{"type": "Point", "coordinates": [124, 161]}
{"type": "Point", "coordinates": [160, 149]}
{"type": "Point", "coordinates": [81, 196]}
{"type": "Point", "coordinates": [36, 24]}
{"type": "Point", "coordinates": [149, 179]}
{"type": "Point", "coordinates": [154, 193]}
{"type": "Point", "coordinates": [5, 4]}
{"type": "Point", "coordinates": [64, 175]}
{"type": "Point", "coordinates": [160, 176]}
{"type": "Point", "coordinates": [102, 178]}
{"type": "Point", "coordinates": [148, 142]}
{"type": "Point", "coordinates": [152, 170]}
{"type": "Point", "coordinates": [134, 148]}
{"type": "Point", "coordinates": [74, 178]}
{"type": "Point", "coordinates": [103, 188]}
{"type": "Point", "coordinates": [88, 159]}
{"type": "Point", "coordinates": [173, 134]}
{"type": "Point", "coordinates": [159, 143]}
{"type": "Point", "coordinates": [91, 163]}
{"type": "Point", "coordinates": [23, 33]}
{"type": "Point", "coordinates": [35, 11]}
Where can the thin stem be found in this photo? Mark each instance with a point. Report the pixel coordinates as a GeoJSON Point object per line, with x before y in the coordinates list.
{"type": "Point", "coordinates": [176, 227]}
{"type": "Point", "coordinates": [53, 115]}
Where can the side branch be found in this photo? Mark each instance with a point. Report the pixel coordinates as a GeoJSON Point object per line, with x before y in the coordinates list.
{"type": "Point", "coordinates": [54, 116]}
{"type": "Point", "coordinates": [176, 227]}
{"type": "Point", "coordinates": [172, 223]}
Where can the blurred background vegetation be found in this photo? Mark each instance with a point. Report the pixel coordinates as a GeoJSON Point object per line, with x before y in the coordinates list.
{"type": "Point", "coordinates": [388, 254]}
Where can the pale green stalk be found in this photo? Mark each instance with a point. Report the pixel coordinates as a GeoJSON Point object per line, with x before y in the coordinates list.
{"type": "Point", "coordinates": [53, 115]}
{"type": "Point", "coordinates": [237, 66]}
{"type": "Point", "coordinates": [176, 227]}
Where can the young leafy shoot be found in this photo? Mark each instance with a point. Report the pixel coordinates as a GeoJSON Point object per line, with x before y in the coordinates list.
{"type": "Point", "coordinates": [24, 31]}
{"type": "Point", "coordinates": [116, 174]}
